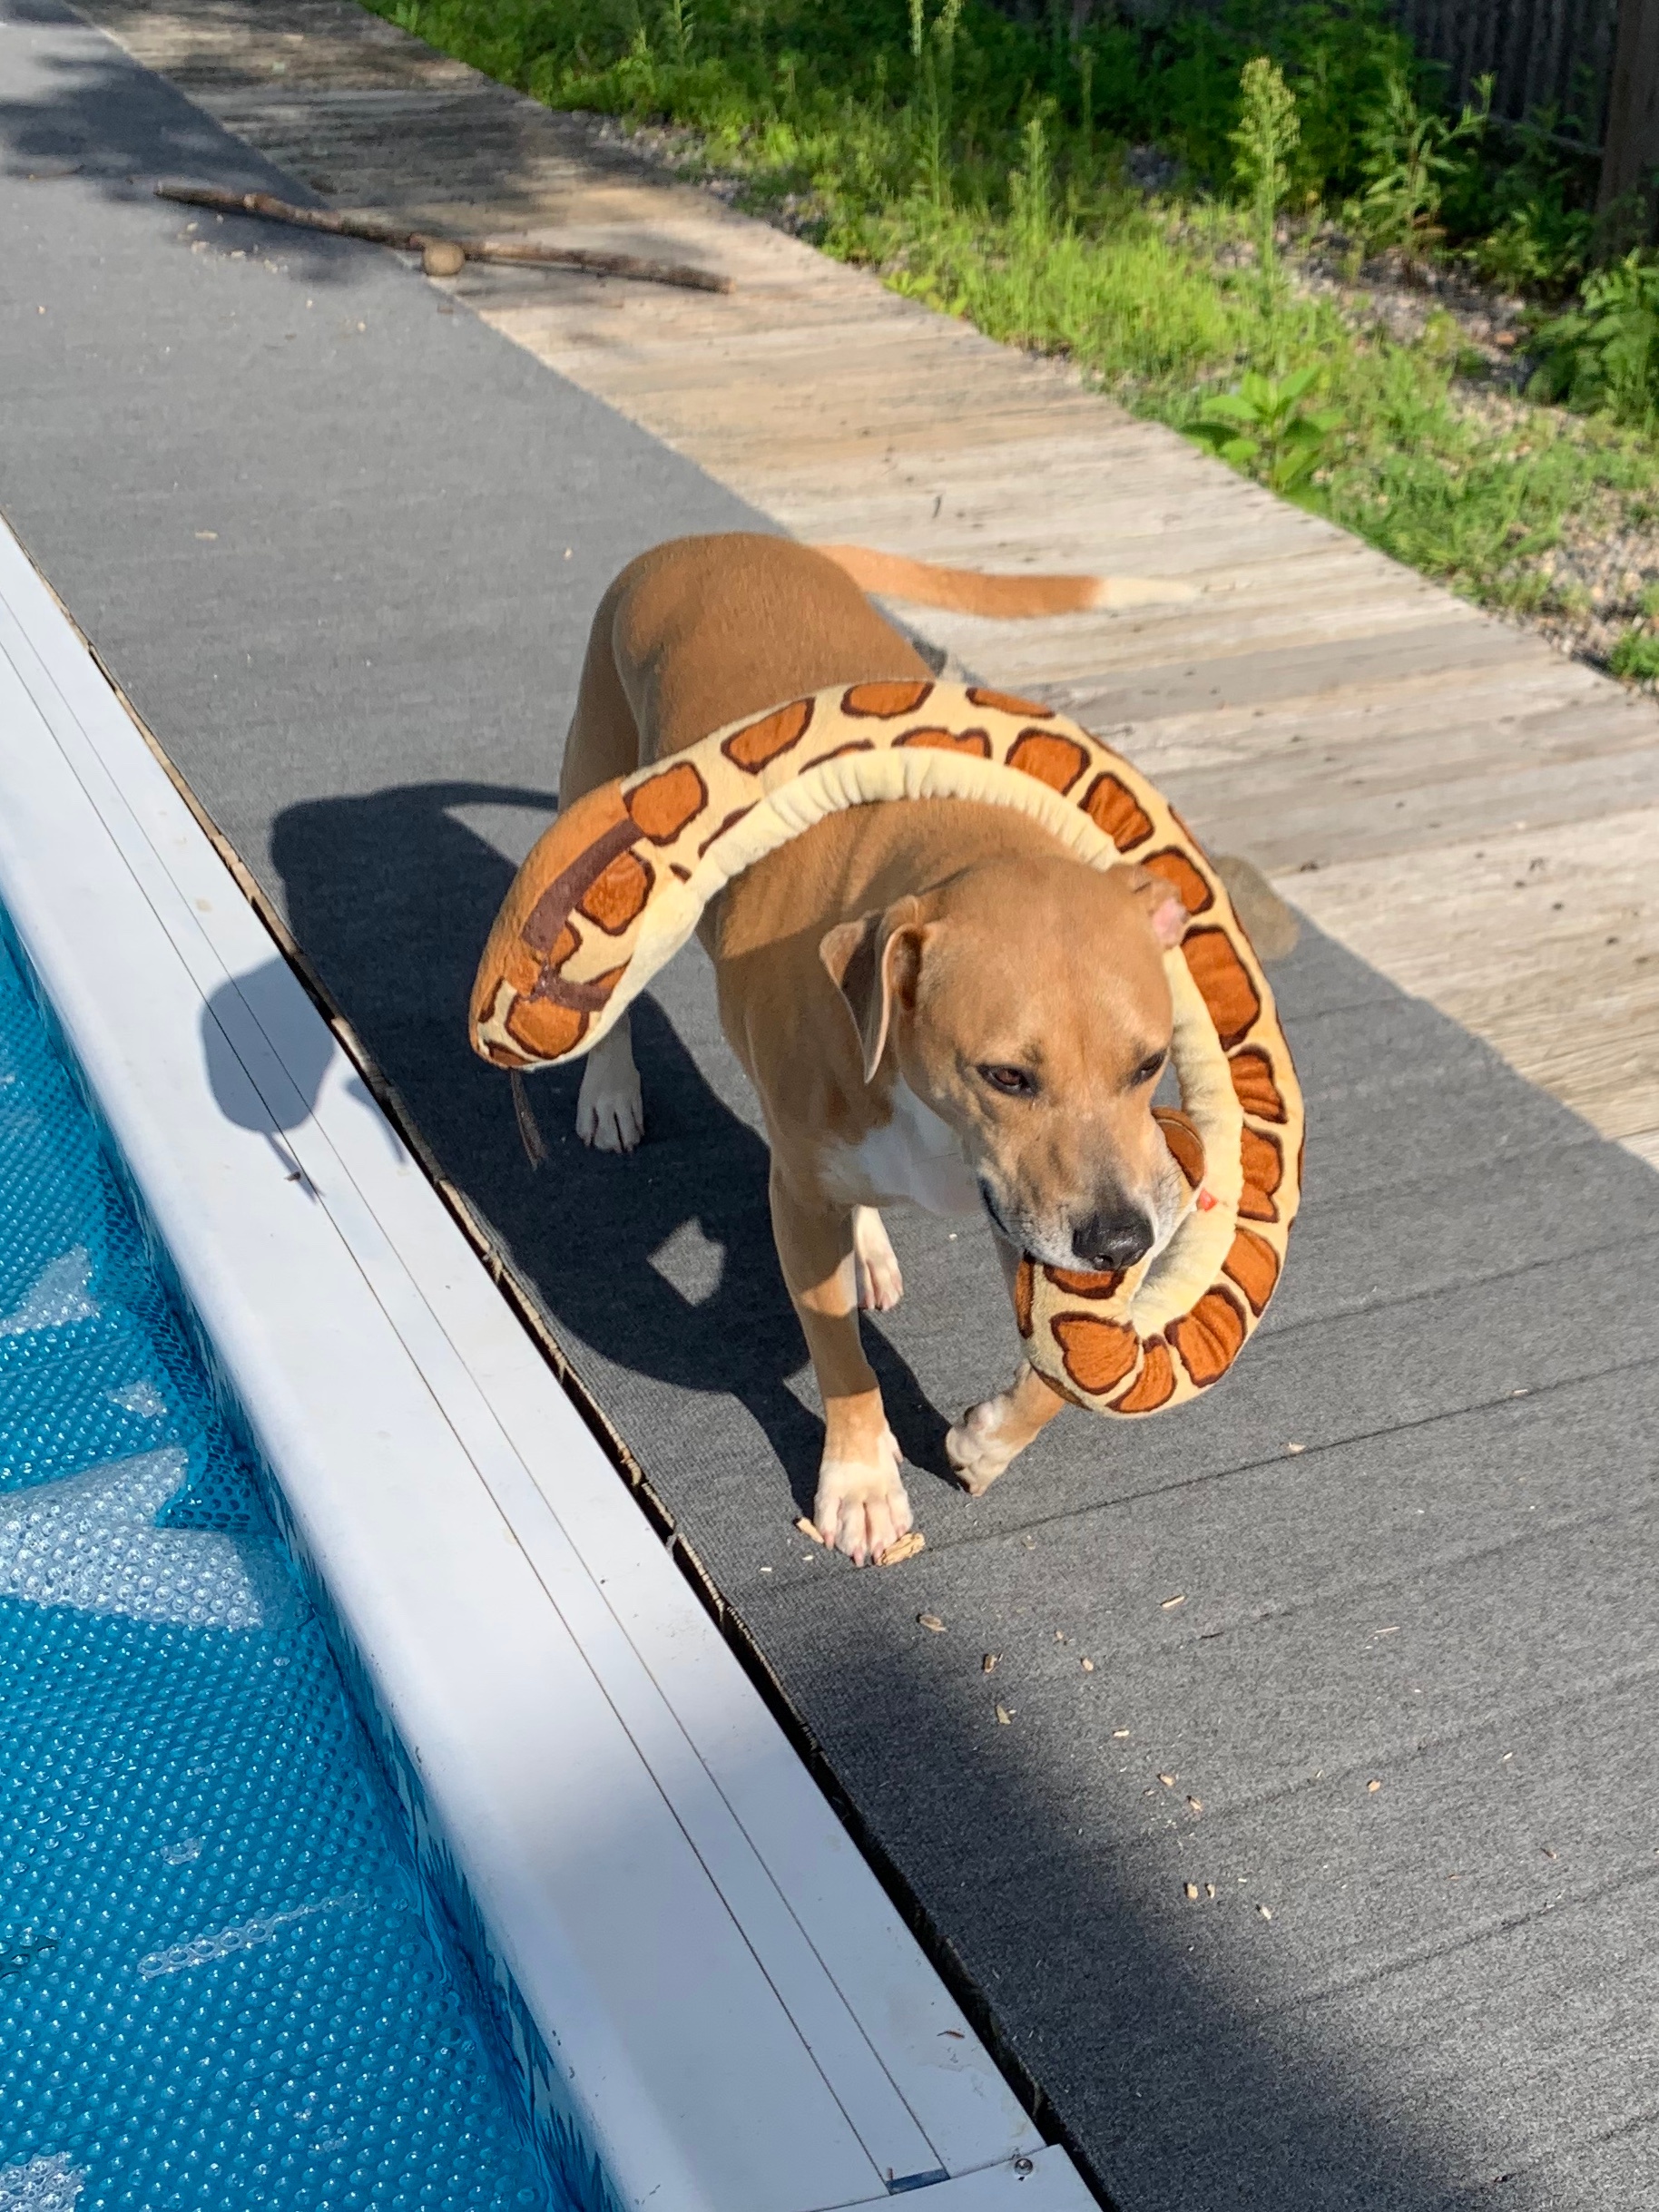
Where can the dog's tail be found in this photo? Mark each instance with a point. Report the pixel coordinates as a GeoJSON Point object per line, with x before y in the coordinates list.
{"type": "Point", "coordinates": [965, 591]}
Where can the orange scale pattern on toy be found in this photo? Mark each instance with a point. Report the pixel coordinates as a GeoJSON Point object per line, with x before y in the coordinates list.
{"type": "Point", "coordinates": [973, 741]}
{"type": "Point", "coordinates": [1053, 759]}
{"type": "Point", "coordinates": [559, 965]}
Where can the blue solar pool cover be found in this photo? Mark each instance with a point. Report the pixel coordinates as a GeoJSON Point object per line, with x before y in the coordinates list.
{"type": "Point", "coordinates": [218, 1989]}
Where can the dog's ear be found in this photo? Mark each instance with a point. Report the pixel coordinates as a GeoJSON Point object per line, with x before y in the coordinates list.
{"type": "Point", "coordinates": [869, 962]}
{"type": "Point", "coordinates": [1162, 904]}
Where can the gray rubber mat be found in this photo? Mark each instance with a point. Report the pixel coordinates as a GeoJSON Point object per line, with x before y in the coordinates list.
{"type": "Point", "coordinates": [1372, 1630]}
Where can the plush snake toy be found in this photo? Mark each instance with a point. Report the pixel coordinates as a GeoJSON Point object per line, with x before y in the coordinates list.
{"type": "Point", "coordinates": [616, 887]}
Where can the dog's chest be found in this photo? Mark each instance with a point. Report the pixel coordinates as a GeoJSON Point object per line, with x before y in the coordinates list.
{"type": "Point", "coordinates": [914, 1157]}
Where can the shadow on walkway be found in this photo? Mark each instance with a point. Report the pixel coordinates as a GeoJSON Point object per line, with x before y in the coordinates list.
{"type": "Point", "coordinates": [396, 893]}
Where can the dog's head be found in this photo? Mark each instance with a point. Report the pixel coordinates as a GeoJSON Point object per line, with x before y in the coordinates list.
{"type": "Point", "coordinates": [1025, 1002]}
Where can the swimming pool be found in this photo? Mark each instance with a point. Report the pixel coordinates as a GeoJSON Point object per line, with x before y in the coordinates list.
{"type": "Point", "coordinates": [220, 1983]}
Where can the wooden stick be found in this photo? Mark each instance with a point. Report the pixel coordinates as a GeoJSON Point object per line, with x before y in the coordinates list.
{"type": "Point", "coordinates": [596, 264]}
{"type": "Point", "coordinates": [379, 232]}
{"type": "Point", "coordinates": [529, 1129]}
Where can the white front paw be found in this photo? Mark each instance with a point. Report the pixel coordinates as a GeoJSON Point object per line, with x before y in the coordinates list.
{"type": "Point", "coordinates": [880, 1284]}
{"type": "Point", "coordinates": [979, 1447]}
{"type": "Point", "coordinates": [861, 1508]}
{"type": "Point", "coordinates": [610, 1108]}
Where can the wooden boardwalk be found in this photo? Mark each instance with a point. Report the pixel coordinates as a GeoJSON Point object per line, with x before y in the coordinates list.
{"type": "Point", "coordinates": [1460, 805]}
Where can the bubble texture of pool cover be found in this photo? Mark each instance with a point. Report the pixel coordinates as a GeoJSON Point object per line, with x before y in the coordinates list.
{"type": "Point", "coordinates": [217, 1987]}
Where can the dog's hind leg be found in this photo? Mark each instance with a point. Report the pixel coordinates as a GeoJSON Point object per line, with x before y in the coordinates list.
{"type": "Point", "coordinates": [610, 1105]}
{"type": "Point", "coordinates": [880, 1284]}
{"type": "Point", "coordinates": [603, 744]}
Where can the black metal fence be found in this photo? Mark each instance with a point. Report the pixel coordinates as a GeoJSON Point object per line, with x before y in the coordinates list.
{"type": "Point", "coordinates": [1543, 53]}
{"type": "Point", "coordinates": [1560, 59]}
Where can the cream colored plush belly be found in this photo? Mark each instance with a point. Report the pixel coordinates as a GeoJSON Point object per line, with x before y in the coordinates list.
{"type": "Point", "coordinates": [914, 1157]}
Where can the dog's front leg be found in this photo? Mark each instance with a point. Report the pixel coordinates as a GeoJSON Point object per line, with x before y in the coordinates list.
{"type": "Point", "coordinates": [860, 1508]}
{"type": "Point", "coordinates": [995, 1431]}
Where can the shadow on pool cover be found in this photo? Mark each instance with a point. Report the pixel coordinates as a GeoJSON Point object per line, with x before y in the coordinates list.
{"type": "Point", "coordinates": [218, 1989]}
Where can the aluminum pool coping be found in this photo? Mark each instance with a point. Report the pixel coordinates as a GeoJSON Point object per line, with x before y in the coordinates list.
{"type": "Point", "coordinates": [707, 1984]}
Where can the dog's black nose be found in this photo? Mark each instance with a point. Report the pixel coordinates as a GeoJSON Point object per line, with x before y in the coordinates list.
{"type": "Point", "coordinates": [1109, 1240]}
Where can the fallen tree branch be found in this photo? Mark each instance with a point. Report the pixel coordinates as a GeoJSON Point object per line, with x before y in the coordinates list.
{"type": "Point", "coordinates": [439, 254]}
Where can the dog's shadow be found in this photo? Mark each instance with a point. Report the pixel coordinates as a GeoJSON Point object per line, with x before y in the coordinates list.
{"type": "Point", "coordinates": [663, 1263]}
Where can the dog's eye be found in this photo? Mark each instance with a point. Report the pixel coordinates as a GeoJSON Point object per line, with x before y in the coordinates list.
{"type": "Point", "coordinates": [1151, 1066]}
{"type": "Point", "coordinates": [1012, 1082]}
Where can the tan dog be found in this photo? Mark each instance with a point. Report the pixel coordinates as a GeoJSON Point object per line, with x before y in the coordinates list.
{"type": "Point", "coordinates": [903, 983]}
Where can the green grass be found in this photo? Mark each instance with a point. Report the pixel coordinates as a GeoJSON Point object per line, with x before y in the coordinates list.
{"type": "Point", "coordinates": [1635, 657]}
{"type": "Point", "coordinates": [977, 163]}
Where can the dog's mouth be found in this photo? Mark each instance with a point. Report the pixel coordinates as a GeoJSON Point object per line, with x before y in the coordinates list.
{"type": "Point", "coordinates": [997, 1223]}
{"type": "Point", "coordinates": [1057, 1251]}
{"type": "Point", "coordinates": [1028, 1243]}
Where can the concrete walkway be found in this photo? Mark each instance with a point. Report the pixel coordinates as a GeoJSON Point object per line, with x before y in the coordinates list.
{"type": "Point", "coordinates": [316, 516]}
